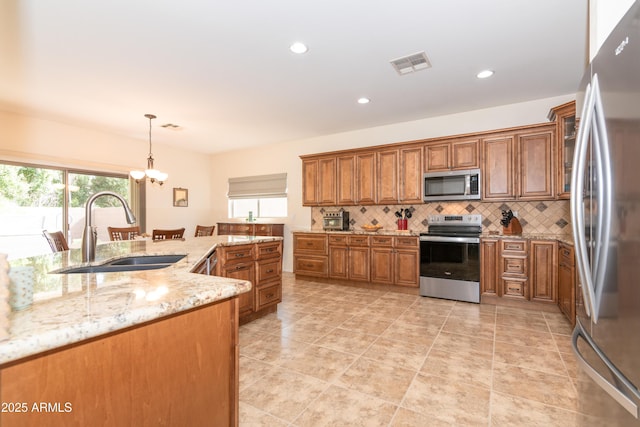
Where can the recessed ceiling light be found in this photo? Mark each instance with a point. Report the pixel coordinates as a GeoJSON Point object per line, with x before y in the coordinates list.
{"type": "Point", "coordinates": [298, 47]}
{"type": "Point", "coordinates": [484, 74]}
{"type": "Point", "coordinates": [363, 100]}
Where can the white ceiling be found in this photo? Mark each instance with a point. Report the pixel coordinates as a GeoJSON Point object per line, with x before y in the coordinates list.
{"type": "Point", "coordinates": [223, 72]}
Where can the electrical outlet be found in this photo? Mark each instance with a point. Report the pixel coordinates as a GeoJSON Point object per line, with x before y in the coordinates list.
{"type": "Point", "coordinates": [515, 214]}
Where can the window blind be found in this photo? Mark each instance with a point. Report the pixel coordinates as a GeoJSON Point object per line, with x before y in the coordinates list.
{"type": "Point", "coordinates": [258, 187]}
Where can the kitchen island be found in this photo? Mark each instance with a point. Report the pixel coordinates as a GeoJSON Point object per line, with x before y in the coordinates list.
{"type": "Point", "coordinates": [153, 347]}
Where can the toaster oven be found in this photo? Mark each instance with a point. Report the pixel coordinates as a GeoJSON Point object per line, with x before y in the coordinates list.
{"type": "Point", "coordinates": [335, 220]}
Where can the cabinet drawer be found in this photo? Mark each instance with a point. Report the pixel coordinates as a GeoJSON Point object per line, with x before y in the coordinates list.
{"type": "Point", "coordinates": [311, 266]}
{"type": "Point", "coordinates": [235, 254]}
{"type": "Point", "coordinates": [338, 239]}
{"type": "Point", "coordinates": [514, 246]}
{"type": "Point", "coordinates": [358, 240]}
{"type": "Point", "coordinates": [565, 254]}
{"type": "Point", "coordinates": [382, 241]}
{"type": "Point", "coordinates": [269, 250]}
{"type": "Point", "coordinates": [240, 229]}
{"type": "Point", "coordinates": [313, 244]}
{"type": "Point", "coordinates": [267, 270]}
{"type": "Point", "coordinates": [407, 242]}
{"type": "Point", "coordinates": [514, 288]}
{"type": "Point", "coordinates": [262, 229]}
{"type": "Point", "coordinates": [269, 295]}
{"type": "Point", "coordinates": [514, 266]}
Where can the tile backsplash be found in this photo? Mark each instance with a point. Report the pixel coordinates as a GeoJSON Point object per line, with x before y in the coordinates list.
{"type": "Point", "coordinates": [536, 217]}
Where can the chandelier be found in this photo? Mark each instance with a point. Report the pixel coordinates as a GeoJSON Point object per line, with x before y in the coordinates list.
{"type": "Point", "coordinates": [150, 172]}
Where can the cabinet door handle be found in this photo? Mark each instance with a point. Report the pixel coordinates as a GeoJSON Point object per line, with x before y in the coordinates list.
{"type": "Point", "coordinates": [241, 267]}
{"type": "Point", "coordinates": [239, 255]}
{"type": "Point", "coordinates": [270, 270]}
{"type": "Point", "coordinates": [270, 295]}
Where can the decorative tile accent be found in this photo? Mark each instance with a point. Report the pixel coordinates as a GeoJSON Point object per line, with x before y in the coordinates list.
{"type": "Point", "coordinates": [374, 222]}
{"type": "Point", "coordinates": [554, 218]}
{"type": "Point", "coordinates": [541, 207]}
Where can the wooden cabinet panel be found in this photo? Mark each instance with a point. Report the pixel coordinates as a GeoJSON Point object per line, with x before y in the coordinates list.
{"type": "Point", "coordinates": [516, 288]}
{"type": "Point", "coordinates": [382, 265]}
{"type": "Point", "coordinates": [436, 157]}
{"type": "Point", "coordinates": [307, 265]}
{"type": "Point", "coordinates": [565, 118]}
{"type": "Point", "coordinates": [366, 178]}
{"type": "Point", "coordinates": [536, 177]}
{"type": "Point", "coordinates": [387, 176]}
{"type": "Point", "coordinates": [407, 267]}
{"type": "Point", "coordinates": [346, 180]}
{"type": "Point", "coordinates": [398, 264]}
{"type": "Point", "coordinates": [338, 262]}
{"type": "Point", "coordinates": [310, 254]}
{"type": "Point", "coordinates": [498, 171]}
{"type": "Point", "coordinates": [359, 263]}
{"type": "Point", "coordinates": [464, 154]}
{"type": "Point", "coordinates": [489, 252]}
{"type": "Point", "coordinates": [410, 175]}
{"type": "Point", "coordinates": [268, 296]}
{"type": "Point", "coordinates": [543, 274]}
{"type": "Point", "coordinates": [310, 244]}
{"type": "Point", "coordinates": [349, 257]}
{"type": "Point", "coordinates": [567, 282]}
{"type": "Point", "coordinates": [242, 271]}
{"type": "Point", "coordinates": [327, 181]}
{"type": "Point", "coordinates": [269, 250]}
{"type": "Point", "coordinates": [310, 182]}
{"type": "Point", "coordinates": [253, 229]}
{"type": "Point", "coordinates": [513, 269]}
{"type": "Point", "coordinates": [150, 374]}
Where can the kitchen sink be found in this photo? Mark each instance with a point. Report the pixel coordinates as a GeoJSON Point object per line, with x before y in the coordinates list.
{"type": "Point", "coordinates": [132, 263]}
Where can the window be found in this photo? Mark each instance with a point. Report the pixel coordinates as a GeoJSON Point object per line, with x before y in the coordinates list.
{"type": "Point", "coordinates": [265, 196]}
{"type": "Point", "coordinates": [35, 198]}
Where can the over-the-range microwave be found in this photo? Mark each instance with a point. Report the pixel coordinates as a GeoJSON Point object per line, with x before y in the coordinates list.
{"type": "Point", "coordinates": [452, 185]}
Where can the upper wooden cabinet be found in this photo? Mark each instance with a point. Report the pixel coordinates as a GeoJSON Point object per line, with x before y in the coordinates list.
{"type": "Point", "coordinates": [451, 155]}
{"type": "Point", "coordinates": [410, 175]}
{"type": "Point", "coordinates": [565, 118]}
{"type": "Point", "coordinates": [319, 181]}
{"type": "Point", "coordinates": [346, 189]}
{"type": "Point", "coordinates": [519, 165]}
{"type": "Point", "coordinates": [387, 176]}
{"type": "Point", "coordinates": [366, 178]}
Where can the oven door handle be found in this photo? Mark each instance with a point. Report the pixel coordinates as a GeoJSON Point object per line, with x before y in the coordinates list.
{"type": "Point", "coordinates": [449, 239]}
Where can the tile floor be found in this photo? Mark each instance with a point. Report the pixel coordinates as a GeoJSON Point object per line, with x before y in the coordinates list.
{"type": "Point", "coordinates": [338, 356]}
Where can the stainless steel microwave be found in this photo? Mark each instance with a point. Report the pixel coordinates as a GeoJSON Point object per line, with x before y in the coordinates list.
{"type": "Point", "coordinates": [452, 185]}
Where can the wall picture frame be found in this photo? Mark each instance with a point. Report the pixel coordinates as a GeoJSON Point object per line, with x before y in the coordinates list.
{"type": "Point", "coordinates": [180, 197]}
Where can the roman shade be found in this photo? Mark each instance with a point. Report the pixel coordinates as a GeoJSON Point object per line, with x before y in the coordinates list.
{"type": "Point", "coordinates": [258, 187]}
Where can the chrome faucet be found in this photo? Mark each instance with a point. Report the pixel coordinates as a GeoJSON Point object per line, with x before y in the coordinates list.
{"type": "Point", "coordinates": [90, 235]}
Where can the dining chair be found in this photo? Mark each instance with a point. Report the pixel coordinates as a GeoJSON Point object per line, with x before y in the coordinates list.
{"type": "Point", "coordinates": [56, 240]}
{"type": "Point", "coordinates": [123, 233]}
{"type": "Point", "coordinates": [204, 230]}
{"type": "Point", "coordinates": [167, 234]}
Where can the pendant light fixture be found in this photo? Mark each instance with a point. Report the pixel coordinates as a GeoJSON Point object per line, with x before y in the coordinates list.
{"type": "Point", "coordinates": [151, 172]}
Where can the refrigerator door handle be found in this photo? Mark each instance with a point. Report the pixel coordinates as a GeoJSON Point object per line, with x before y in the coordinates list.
{"type": "Point", "coordinates": [577, 207]}
{"type": "Point", "coordinates": [620, 396]}
{"type": "Point", "coordinates": [605, 208]}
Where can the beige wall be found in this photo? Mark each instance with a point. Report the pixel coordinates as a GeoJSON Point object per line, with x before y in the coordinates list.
{"type": "Point", "coordinates": [29, 139]}
{"type": "Point", "coordinates": [284, 157]}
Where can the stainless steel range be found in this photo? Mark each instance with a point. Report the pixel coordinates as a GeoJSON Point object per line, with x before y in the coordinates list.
{"type": "Point", "coordinates": [450, 257]}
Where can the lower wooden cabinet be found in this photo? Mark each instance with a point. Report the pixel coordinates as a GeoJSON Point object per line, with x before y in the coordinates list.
{"type": "Point", "coordinates": [567, 281]}
{"type": "Point", "coordinates": [386, 259]}
{"type": "Point", "coordinates": [259, 263]}
{"type": "Point", "coordinates": [252, 229]}
{"type": "Point", "coordinates": [519, 269]}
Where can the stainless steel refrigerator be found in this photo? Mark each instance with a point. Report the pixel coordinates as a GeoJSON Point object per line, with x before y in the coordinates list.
{"type": "Point", "coordinates": [605, 204]}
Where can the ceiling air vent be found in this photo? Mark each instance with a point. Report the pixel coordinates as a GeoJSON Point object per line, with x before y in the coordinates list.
{"type": "Point", "coordinates": [411, 63]}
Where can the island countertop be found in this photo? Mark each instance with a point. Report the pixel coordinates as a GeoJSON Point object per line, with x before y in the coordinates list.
{"type": "Point", "coordinates": [69, 308]}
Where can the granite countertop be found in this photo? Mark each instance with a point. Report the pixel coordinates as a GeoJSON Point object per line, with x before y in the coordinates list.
{"type": "Point", "coordinates": [565, 238]}
{"type": "Point", "coordinates": [379, 232]}
{"type": "Point", "coordinates": [69, 308]}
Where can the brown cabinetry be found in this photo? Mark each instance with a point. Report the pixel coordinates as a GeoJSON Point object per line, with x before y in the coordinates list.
{"type": "Point", "coordinates": [366, 178]}
{"type": "Point", "coordinates": [387, 177]}
{"type": "Point", "coordinates": [260, 264]}
{"type": "Point", "coordinates": [310, 252]}
{"type": "Point", "coordinates": [143, 375]}
{"type": "Point", "coordinates": [567, 281]}
{"type": "Point", "coordinates": [451, 155]}
{"type": "Point", "coordinates": [346, 190]}
{"type": "Point", "coordinates": [410, 185]}
{"type": "Point", "coordinates": [519, 165]}
{"type": "Point", "coordinates": [349, 257]}
{"type": "Point", "coordinates": [489, 277]}
{"type": "Point", "coordinates": [543, 274]}
{"type": "Point", "coordinates": [319, 181]}
{"type": "Point", "coordinates": [513, 271]}
{"type": "Point", "coordinates": [252, 229]}
{"type": "Point", "coordinates": [565, 118]}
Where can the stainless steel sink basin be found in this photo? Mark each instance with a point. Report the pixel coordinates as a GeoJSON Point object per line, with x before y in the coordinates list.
{"type": "Point", "coordinates": [132, 263]}
{"type": "Point", "coordinates": [147, 259]}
